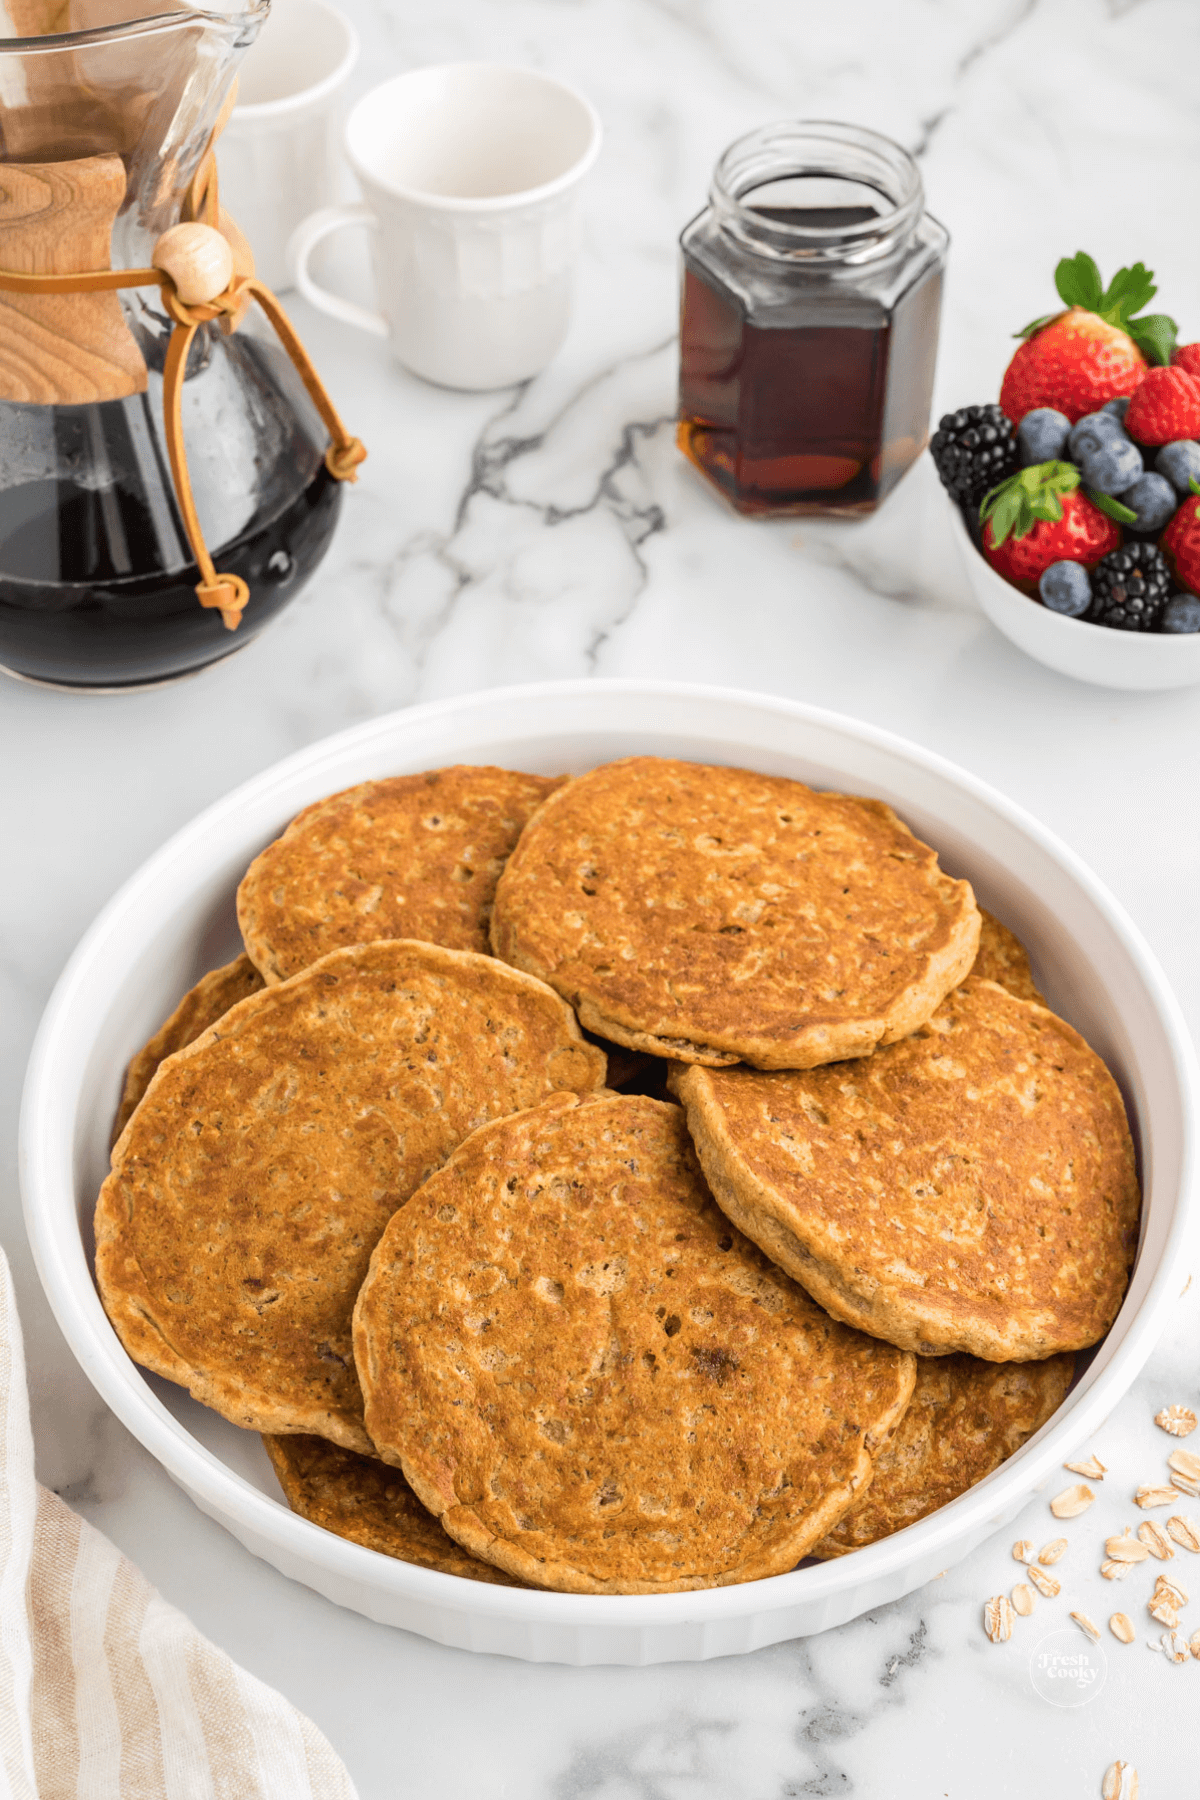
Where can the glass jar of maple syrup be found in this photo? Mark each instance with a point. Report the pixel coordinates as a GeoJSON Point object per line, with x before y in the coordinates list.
{"type": "Point", "coordinates": [812, 287]}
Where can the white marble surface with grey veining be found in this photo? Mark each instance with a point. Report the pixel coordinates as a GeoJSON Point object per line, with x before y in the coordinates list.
{"type": "Point", "coordinates": [554, 532]}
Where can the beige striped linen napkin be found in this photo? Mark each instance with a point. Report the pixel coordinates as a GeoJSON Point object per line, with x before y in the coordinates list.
{"type": "Point", "coordinates": [106, 1692]}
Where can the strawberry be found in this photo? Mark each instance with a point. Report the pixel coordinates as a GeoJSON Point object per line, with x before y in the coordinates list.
{"type": "Point", "coordinates": [1039, 517]}
{"type": "Point", "coordinates": [1095, 351]}
{"type": "Point", "coordinates": [1181, 544]}
{"type": "Point", "coordinates": [1165, 407]}
{"type": "Point", "coordinates": [1187, 356]}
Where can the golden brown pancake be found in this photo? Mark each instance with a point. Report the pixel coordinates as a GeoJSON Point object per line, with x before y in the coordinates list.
{"type": "Point", "coordinates": [250, 1187]}
{"type": "Point", "coordinates": [361, 1498]}
{"type": "Point", "coordinates": [593, 1380]}
{"type": "Point", "coordinates": [1003, 958]}
{"type": "Point", "coordinates": [713, 915]}
{"type": "Point", "coordinates": [413, 857]}
{"type": "Point", "coordinates": [201, 1006]}
{"type": "Point", "coordinates": [972, 1188]}
{"type": "Point", "coordinates": [965, 1418]}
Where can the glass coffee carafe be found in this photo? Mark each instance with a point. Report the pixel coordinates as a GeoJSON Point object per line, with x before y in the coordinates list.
{"type": "Point", "coordinates": [107, 112]}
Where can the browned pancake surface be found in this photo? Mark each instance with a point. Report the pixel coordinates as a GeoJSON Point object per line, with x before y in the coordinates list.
{"type": "Point", "coordinates": [972, 1188]}
{"type": "Point", "coordinates": [201, 1006]}
{"type": "Point", "coordinates": [965, 1418]}
{"type": "Point", "coordinates": [714, 915]}
{"type": "Point", "coordinates": [254, 1180]}
{"type": "Point", "coordinates": [416, 856]}
{"type": "Point", "coordinates": [595, 1382]}
{"type": "Point", "coordinates": [362, 1499]}
{"type": "Point", "coordinates": [1002, 958]}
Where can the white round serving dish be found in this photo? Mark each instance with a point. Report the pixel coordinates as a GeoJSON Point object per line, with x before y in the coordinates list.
{"type": "Point", "coordinates": [1094, 653]}
{"type": "Point", "coordinates": [175, 918]}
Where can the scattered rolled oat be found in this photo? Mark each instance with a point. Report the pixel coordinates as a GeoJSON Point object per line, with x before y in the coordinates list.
{"type": "Point", "coordinates": [1172, 1590]}
{"type": "Point", "coordinates": [1185, 1470]}
{"type": "Point", "coordinates": [1122, 1627]}
{"type": "Point", "coordinates": [1023, 1551]}
{"type": "Point", "coordinates": [1147, 1497]}
{"type": "Point", "coordinates": [1115, 1571]}
{"type": "Point", "coordinates": [1155, 1541]}
{"type": "Point", "coordinates": [1045, 1584]}
{"type": "Point", "coordinates": [1194, 1646]}
{"type": "Point", "coordinates": [1183, 1531]}
{"type": "Point", "coordinates": [1159, 1607]}
{"type": "Point", "coordinates": [1125, 1548]}
{"type": "Point", "coordinates": [1022, 1599]}
{"type": "Point", "coordinates": [1072, 1501]}
{"type": "Point", "coordinates": [1120, 1782]}
{"type": "Point", "coordinates": [1051, 1552]}
{"type": "Point", "coordinates": [1174, 1647]}
{"type": "Point", "coordinates": [1091, 1466]}
{"type": "Point", "coordinates": [1087, 1626]}
{"type": "Point", "coordinates": [998, 1619]}
{"type": "Point", "coordinates": [1178, 1420]}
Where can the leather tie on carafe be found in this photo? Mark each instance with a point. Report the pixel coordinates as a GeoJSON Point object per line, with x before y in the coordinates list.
{"type": "Point", "coordinates": [229, 594]}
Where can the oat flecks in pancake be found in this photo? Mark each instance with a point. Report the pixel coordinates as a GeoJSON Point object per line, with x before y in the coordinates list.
{"type": "Point", "coordinates": [965, 1418]}
{"type": "Point", "coordinates": [201, 1006]}
{"type": "Point", "coordinates": [713, 915]}
{"type": "Point", "coordinates": [1003, 958]}
{"type": "Point", "coordinates": [252, 1183]}
{"type": "Point", "coordinates": [972, 1188]}
{"type": "Point", "coordinates": [362, 1499]}
{"type": "Point", "coordinates": [416, 856]}
{"type": "Point", "coordinates": [595, 1382]}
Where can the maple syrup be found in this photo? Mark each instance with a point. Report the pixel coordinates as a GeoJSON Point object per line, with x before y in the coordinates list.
{"type": "Point", "coordinates": [809, 321]}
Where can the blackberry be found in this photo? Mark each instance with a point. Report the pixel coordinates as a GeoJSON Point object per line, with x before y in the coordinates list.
{"type": "Point", "coordinates": [1130, 588]}
{"type": "Point", "coordinates": [974, 449]}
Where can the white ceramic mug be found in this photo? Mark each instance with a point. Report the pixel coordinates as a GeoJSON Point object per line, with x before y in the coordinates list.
{"type": "Point", "coordinates": [278, 154]}
{"type": "Point", "coordinates": [471, 174]}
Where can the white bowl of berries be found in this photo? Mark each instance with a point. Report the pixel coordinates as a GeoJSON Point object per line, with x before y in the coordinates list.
{"type": "Point", "coordinates": [1077, 498]}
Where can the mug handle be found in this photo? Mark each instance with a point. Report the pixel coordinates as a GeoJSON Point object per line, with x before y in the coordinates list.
{"type": "Point", "coordinates": [308, 234]}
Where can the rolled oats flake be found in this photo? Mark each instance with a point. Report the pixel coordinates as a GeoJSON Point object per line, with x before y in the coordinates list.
{"type": "Point", "coordinates": [1155, 1540]}
{"type": "Point", "coordinates": [1072, 1501]}
{"type": "Point", "coordinates": [1051, 1552]}
{"type": "Point", "coordinates": [998, 1619]}
{"type": "Point", "coordinates": [1179, 1421]}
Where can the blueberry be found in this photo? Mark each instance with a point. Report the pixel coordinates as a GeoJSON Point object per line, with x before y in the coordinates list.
{"type": "Point", "coordinates": [1182, 614]}
{"type": "Point", "coordinates": [1093, 432]}
{"type": "Point", "coordinates": [1111, 467]}
{"type": "Point", "coordinates": [1042, 436]}
{"type": "Point", "coordinates": [1179, 462]}
{"type": "Point", "coordinates": [1118, 407]}
{"type": "Point", "coordinates": [1153, 499]}
{"type": "Point", "coordinates": [1065, 588]}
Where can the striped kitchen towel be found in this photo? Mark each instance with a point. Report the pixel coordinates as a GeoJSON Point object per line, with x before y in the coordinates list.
{"type": "Point", "coordinates": [106, 1692]}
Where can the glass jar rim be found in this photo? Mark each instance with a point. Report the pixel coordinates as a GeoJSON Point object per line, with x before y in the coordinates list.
{"type": "Point", "coordinates": [166, 18]}
{"type": "Point", "coordinates": [819, 148]}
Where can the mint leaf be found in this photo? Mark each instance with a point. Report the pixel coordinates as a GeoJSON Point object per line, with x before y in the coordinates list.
{"type": "Point", "coordinates": [1124, 515]}
{"type": "Point", "coordinates": [1127, 293]}
{"type": "Point", "coordinates": [1154, 335]}
{"type": "Point", "coordinates": [1078, 281]}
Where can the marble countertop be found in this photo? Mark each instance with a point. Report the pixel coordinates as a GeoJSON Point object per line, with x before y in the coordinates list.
{"type": "Point", "coordinates": [556, 531]}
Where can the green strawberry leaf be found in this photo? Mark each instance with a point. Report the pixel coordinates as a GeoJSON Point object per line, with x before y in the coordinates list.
{"type": "Point", "coordinates": [1124, 515]}
{"type": "Point", "coordinates": [1016, 505]}
{"type": "Point", "coordinates": [1078, 281]}
{"type": "Point", "coordinates": [1194, 484]}
{"type": "Point", "coordinates": [1127, 293]}
{"type": "Point", "coordinates": [1154, 334]}
{"type": "Point", "coordinates": [1037, 325]}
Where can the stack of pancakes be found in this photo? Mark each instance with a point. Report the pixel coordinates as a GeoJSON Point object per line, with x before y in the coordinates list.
{"type": "Point", "coordinates": [626, 1184]}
